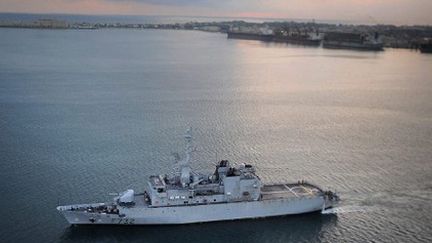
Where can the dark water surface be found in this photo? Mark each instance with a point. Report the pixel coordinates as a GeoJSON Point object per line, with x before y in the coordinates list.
{"type": "Point", "coordinates": [86, 113]}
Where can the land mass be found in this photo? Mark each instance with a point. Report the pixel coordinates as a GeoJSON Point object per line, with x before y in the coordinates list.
{"type": "Point", "coordinates": [282, 31]}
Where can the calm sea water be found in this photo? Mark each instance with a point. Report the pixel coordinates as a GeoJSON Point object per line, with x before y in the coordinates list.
{"type": "Point", "coordinates": [86, 113]}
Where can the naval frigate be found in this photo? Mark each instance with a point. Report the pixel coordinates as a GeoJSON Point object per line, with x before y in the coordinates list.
{"type": "Point", "coordinates": [230, 193]}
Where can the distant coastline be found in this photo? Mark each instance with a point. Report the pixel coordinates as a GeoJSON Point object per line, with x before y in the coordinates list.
{"type": "Point", "coordinates": [390, 35]}
{"type": "Point", "coordinates": [155, 19]}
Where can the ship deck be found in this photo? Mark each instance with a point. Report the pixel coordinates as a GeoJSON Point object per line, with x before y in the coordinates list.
{"type": "Point", "coordinates": [297, 190]}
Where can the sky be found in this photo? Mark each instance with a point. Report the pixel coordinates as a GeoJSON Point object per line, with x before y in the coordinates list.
{"type": "Point", "coordinates": [362, 11]}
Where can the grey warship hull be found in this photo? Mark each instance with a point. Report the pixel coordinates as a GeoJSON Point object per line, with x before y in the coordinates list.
{"type": "Point", "coordinates": [295, 199]}
{"type": "Point", "coordinates": [230, 193]}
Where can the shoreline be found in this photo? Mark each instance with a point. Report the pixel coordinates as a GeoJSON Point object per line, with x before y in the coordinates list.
{"type": "Point", "coordinates": [407, 37]}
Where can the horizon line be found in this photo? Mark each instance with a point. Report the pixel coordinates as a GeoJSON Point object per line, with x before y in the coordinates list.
{"type": "Point", "coordinates": [277, 19]}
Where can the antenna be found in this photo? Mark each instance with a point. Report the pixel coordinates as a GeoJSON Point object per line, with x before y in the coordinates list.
{"type": "Point", "coordinates": [188, 151]}
{"type": "Point", "coordinates": [185, 171]}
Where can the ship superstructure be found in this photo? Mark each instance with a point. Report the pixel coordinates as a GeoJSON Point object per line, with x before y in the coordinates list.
{"type": "Point", "coordinates": [356, 41]}
{"type": "Point", "coordinates": [231, 192]}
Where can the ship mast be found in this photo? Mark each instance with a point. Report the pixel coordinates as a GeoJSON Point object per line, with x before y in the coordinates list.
{"type": "Point", "coordinates": [184, 163]}
{"type": "Point", "coordinates": [188, 150]}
